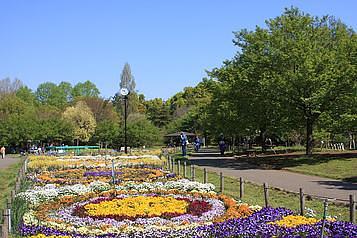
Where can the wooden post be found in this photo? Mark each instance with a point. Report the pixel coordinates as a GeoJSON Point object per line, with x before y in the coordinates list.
{"type": "Point", "coordinates": [266, 194]}
{"type": "Point", "coordinates": [184, 169]}
{"type": "Point", "coordinates": [324, 219]}
{"type": "Point", "coordinates": [13, 194]}
{"type": "Point", "coordinates": [221, 183]}
{"type": "Point", "coordinates": [302, 202]}
{"type": "Point", "coordinates": [178, 167]}
{"type": "Point", "coordinates": [204, 175]}
{"type": "Point", "coordinates": [193, 174]}
{"type": "Point", "coordinates": [8, 204]}
{"type": "Point", "coordinates": [5, 226]}
{"type": "Point", "coordinates": [352, 209]}
{"type": "Point", "coordinates": [241, 187]}
{"type": "Point", "coordinates": [173, 166]}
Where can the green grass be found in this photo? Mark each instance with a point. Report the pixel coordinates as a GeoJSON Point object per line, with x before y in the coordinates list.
{"type": "Point", "coordinates": [336, 168]}
{"type": "Point", "coordinates": [342, 166]}
{"type": "Point", "coordinates": [7, 181]}
{"type": "Point", "coordinates": [253, 194]}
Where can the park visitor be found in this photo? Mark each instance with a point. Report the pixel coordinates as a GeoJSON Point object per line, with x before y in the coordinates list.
{"type": "Point", "coordinates": [183, 139]}
{"type": "Point", "coordinates": [2, 151]}
{"type": "Point", "coordinates": [222, 144]}
{"type": "Point", "coordinates": [197, 143]}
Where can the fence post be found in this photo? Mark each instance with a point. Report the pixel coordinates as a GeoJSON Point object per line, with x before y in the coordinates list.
{"type": "Point", "coordinates": [5, 226]}
{"type": "Point", "coordinates": [178, 167]}
{"type": "Point", "coordinates": [173, 166]}
{"type": "Point", "coordinates": [302, 202]}
{"type": "Point", "coordinates": [193, 172]}
{"type": "Point", "coordinates": [266, 194]}
{"type": "Point", "coordinates": [324, 219]}
{"type": "Point", "coordinates": [184, 169]}
{"type": "Point", "coordinates": [352, 209]}
{"type": "Point", "coordinates": [221, 182]}
{"type": "Point", "coordinates": [168, 163]}
{"type": "Point", "coordinates": [241, 187]}
{"type": "Point", "coordinates": [204, 175]}
{"type": "Point", "coordinates": [9, 220]}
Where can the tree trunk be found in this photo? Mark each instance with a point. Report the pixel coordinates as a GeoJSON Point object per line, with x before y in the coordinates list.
{"type": "Point", "coordinates": [262, 138]}
{"type": "Point", "coordinates": [309, 140]}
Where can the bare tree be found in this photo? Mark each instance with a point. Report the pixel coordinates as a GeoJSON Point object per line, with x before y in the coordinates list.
{"type": "Point", "coordinates": [9, 86]}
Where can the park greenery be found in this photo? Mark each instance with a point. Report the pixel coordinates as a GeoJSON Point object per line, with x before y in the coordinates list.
{"type": "Point", "coordinates": [292, 80]}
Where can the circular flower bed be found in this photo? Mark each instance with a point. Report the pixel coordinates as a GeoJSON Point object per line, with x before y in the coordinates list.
{"type": "Point", "coordinates": [114, 213]}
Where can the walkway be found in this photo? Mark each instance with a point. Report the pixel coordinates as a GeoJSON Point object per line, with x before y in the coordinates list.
{"type": "Point", "coordinates": [8, 161]}
{"type": "Point", "coordinates": [289, 181]}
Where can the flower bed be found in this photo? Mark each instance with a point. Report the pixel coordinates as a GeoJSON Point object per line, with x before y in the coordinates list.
{"type": "Point", "coordinates": [86, 176]}
{"type": "Point", "coordinates": [120, 212]}
{"type": "Point", "coordinates": [73, 197]}
{"type": "Point", "coordinates": [42, 163]}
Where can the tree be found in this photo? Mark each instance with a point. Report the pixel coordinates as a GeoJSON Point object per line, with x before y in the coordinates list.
{"type": "Point", "coordinates": [50, 94]}
{"type": "Point", "coordinates": [157, 112]}
{"type": "Point", "coordinates": [127, 79]}
{"type": "Point", "coordinates": [141, 131]}
{"type": "Point", "coordinates": [86, 89]}
{"type": "Point", "coordinates": [8, 86]}
{"type": "Point", "coordinates": [66, 89]}
{"type": "Point", "coordinates": [25, 94]}
{"type": "Point", "coordinates": [82, 119]}
{"type": "Point", "coordinates": [305, 61]}
{"type": "Point", "coordinates": [103, 110]}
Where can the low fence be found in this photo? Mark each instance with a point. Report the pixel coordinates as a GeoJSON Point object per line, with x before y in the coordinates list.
{"type": "Point", "coordinates": [6, 226]}
{"type": "Point", "coordinates": [181, 169]}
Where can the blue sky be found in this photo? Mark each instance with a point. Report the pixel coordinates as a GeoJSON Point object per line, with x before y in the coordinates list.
{"type": "Point", "coordinates": [169, 44]}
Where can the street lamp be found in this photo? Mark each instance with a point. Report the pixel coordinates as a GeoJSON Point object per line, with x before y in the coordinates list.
{"type": "Point", "coordinates": [125, 92]}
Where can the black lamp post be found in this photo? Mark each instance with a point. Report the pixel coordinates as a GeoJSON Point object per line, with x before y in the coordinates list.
{"type": "Point", "coordinates": [125, 92]}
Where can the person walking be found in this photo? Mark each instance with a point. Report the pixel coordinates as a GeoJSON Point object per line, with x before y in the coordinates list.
{"type": "Point", "coordinates": [222, 144]}
{"type": "Point", "coordinates": [2, 151]}
{"type": "Point", "coordinates": [197, 143]}
{"type": "Point", "coordinates": [183, 139]}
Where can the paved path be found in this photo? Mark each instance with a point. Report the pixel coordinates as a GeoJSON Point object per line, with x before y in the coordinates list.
{"type": "Point", "coordinates": [289, 181]}
{"type": "Point", "coordinates": [9, 160]}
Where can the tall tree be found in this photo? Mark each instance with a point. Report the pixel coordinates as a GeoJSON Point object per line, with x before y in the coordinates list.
{"type": "Point", "coordinates": [127, 79]}
{"type": "Point", "coordinates": [305, 60]}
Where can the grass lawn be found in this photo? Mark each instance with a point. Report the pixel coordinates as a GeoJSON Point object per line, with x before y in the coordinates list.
{"type": "Point", "coordinates": [338, 168]}
{"type": "Point", "coordinates": [342, 166]}
{"type": "Point", "coordinates": [7, 181]}
{"type": "Point", "coordinates": [253, 194]}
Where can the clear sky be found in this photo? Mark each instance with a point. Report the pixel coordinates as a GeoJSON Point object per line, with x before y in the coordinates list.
{"type": "Point", "coordinates": [169, 43]}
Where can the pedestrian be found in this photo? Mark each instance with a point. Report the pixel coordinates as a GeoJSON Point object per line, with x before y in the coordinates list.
{"type": "Point", "coordinates": [222, 144]}
{"type": "Point", "coordinates": [183, 140]}
{"type": "Point", "coordinates": [197, 143]}
{"type": "Point", "coordinates": [2, 151]}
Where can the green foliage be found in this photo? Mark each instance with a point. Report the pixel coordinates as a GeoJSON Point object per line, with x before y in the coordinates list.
{"type": "Point", "coordinates": [86, 89]}
{"type": "Point", "coordinates": [141, 131]}
{"type": "Point", "coordinates": [286, 76]}
{"type": "Point", "coordinates": [82, 119]}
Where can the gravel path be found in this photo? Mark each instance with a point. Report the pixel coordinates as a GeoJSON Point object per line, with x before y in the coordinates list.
{"type": "Point", "coordinates": [286, 180]}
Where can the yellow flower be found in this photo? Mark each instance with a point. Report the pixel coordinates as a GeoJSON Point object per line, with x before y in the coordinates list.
{"type": "Point", "coordinates": [293, 221]}
{"type": "Point", "coordinates": [140, 206]}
